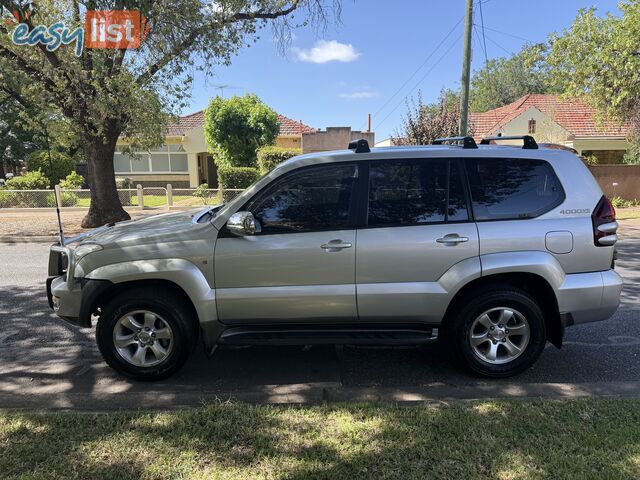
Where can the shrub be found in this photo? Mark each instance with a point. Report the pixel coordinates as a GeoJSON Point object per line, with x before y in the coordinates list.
{"type": "Point", "coordinates": [73, 181]}
{"type": "Point", "coordinates": [619, 202]}
{"type": "Point", "coordinates": [203, 192]}
{"type": "Point", "coordinates": [35, 180]}
{"type": "Point", "coordinates": [61, 164]}
{"type": "Point", "coordinates": [632, 157]}
{"type": "Point", "coordinates": [270, 157]}
{"type": "Point", "coordinates": [237, 177]}
{"type": "Point", "coordinates": [7, 199]}
{"type": "Point", "coordinates": [123, 183]}
{"type": "Point", "coordinates": [235, 128]}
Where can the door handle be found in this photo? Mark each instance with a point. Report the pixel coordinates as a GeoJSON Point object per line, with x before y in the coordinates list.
{"type": "Point", "coordinates": [335, 245]}
{"type": "Point", "coordinates": [452, 239]}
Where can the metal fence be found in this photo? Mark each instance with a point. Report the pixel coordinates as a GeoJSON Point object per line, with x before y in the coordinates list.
{"type": "Point", "coordinates": [141, 197]}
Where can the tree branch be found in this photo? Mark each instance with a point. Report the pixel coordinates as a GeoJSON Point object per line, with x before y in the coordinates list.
{"type": "Point", "coordinates": [46, 82]}
{"type": "Point", "coordinates": [195, 34]}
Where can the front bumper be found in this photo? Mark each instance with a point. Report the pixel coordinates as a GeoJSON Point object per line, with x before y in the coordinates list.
{"type": "Point", "coordinates": [64, 291]}
{"type": "Point", "coordinates": [590, 297]}
{"type": "Point", "coordinates": [65, 301]}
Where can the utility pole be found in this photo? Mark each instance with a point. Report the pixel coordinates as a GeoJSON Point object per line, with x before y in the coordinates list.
{"type": "Point", "coordinates": [466, 70]}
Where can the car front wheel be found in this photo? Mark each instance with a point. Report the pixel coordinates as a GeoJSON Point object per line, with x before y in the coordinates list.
{"type": "Point", "coordinates": [146, 334]}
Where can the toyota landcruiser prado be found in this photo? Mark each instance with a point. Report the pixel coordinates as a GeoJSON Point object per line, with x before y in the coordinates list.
{"type": "Point", "coordinates": [492, 249]}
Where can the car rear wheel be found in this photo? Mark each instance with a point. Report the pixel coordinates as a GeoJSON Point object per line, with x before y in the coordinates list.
{"type": "Point", "coordinates": [498, 332]}
{"type": "Point", "coordinates": [146, 334]}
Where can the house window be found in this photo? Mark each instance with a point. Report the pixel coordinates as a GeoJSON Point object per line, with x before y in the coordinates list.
{"type": "Point", "coordinates": [532, 126]}
{"type": "Point", "coordinates": [164, 159]}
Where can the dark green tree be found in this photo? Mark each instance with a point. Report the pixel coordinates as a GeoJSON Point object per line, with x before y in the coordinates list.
{"type": "Point", "coordinates": [504, 80]}
{"type": "Point", "coordinates": [237, 127]}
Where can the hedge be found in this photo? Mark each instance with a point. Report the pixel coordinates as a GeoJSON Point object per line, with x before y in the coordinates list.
{"type": "Point", "coordinates": [35, 180]}
{"type": "Point", "coordinates": [55, 170]}
{"type": "Point", "coordinates": [270, 157]}
{"type": "Point", "coordinates": [237, 177]}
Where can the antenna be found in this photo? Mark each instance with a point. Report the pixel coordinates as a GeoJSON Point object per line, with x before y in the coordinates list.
{"type": "Point", "coordinates": [56, 188]}
{"type": "Point", "coordinates": [222, 88]}
{"type": "Point", "coordinates": [58, 196]}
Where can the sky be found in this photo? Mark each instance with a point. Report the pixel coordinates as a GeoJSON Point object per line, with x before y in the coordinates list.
{"type": "Point", "coordinates": [381, 52]}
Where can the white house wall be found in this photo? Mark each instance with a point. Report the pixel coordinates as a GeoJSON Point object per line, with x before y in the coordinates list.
{"type": "Point", "coordinates": [547, 130]}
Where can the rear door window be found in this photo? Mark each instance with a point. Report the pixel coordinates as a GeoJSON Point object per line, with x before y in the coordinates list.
{"type": "Point", "coordinates": [415, 192]}
{"type": "Point", "coordinates": [510, 189]}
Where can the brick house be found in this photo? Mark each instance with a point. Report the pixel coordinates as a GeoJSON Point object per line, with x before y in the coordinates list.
{"type": "Point", "coordinates": [551, 119]}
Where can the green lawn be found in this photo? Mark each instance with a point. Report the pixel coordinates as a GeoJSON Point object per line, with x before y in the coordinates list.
{"type": "Point", "coordinates": [159, 200]}
{"type": "Point", "coordinates": [580, 439]}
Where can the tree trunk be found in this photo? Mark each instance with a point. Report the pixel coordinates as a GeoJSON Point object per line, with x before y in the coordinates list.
{"type": "Point", "coordinates": [105, 205]}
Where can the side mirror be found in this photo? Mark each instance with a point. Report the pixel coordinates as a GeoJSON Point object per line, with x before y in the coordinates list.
{"type": "Point", "coordinates": [243, 223]}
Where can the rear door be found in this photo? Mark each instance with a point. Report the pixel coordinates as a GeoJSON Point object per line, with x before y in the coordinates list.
{"type": "Point", "coordinates": [418, 227]}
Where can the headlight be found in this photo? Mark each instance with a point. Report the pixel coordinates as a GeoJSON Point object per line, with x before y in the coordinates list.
{"type": "Point", "coordinates": [86, 249]}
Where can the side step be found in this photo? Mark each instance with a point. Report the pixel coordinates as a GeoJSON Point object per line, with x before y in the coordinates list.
{"type": "Point", "coordinates": [322, 335]}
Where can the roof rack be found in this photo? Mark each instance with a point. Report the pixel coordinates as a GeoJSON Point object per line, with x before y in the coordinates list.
{"type": "Point", "coordinates": [359, 146]}
{"type": "Point", "coordinates": [529, 143]}
{"type": "Point", "coordinates": [467, 142]}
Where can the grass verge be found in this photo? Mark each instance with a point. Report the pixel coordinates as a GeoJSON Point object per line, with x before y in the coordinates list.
{"type": "Point", "coordinates": [502, 439]}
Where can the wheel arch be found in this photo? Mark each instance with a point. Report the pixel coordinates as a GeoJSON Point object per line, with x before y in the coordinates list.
{"type": "Point", "coordinates": [106, 290]}
{"type": "Point", "coordinates": [532, 283]}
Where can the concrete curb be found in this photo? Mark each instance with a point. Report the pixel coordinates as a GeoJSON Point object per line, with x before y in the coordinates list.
{"type": "Point", "coordinates": [309, 393]}
{"type": "Point", "coordinates": [28, 239]}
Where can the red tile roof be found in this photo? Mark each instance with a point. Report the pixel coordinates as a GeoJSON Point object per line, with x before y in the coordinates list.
{"type": "Point", "coordinates": [182, 124]}
{"type": "Point", "coordinates": [572, 115]}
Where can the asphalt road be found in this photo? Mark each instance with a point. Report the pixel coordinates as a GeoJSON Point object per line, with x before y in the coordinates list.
{"type": "Point", "coordinates": [45, 363]}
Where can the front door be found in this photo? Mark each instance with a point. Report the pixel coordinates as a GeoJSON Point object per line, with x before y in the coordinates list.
{"type": "Point", "coordinates": [417, 228]}
{"type": "Point", "coordinates": [301, 266]}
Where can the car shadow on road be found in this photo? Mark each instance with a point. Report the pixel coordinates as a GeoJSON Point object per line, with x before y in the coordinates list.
{"type": "Point", "coordinates": [43, 358]}
{"type": "Point", "coordinates": [628, 253]}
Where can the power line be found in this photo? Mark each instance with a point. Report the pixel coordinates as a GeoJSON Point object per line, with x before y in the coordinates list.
{"type": "Point", "coordinates": [517, 37]}
{"type": "Point", "coordinates": [499, 46]}
{"type": "Point", "coordinates": [420, 81]}
{"type": "Point", "coordinates": [419, 68]}
{"type": "Point", "coordinates": [483, 48]}
{"type": "Point", "coordinates": [480, 2]}
{"type": "Point", "coordinates": [484, 38]}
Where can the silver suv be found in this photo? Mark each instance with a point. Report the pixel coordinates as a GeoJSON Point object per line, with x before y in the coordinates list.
{"type": "Point", "coordinates": [491, 249]}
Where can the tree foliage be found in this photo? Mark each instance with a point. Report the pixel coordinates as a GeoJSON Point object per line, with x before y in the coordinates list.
{"type": "Point", "coordinates": [423, 123]}
{"type": "Point", "coordinates": [504, 80]}
{"type": "Point", "coordinates": [108, 93]}
{"type": "Point", "coordinates": [237, 127]}
{"type": "Point", "coordinates": [55, 166]}
{"type": "Point", "coordinates": [598, 59]}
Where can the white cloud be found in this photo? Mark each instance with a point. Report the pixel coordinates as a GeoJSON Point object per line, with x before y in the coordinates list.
{"type": "Point", "coordinates": [327, 51]}
{"type": "Point", "coordinates": [359, 95]}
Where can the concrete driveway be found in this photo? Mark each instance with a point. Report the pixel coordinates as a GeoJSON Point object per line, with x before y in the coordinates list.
{"type": "Point", "coordinates": [45, 363]}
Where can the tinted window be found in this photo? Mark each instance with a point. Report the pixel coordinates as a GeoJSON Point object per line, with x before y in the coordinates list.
{"type": "Point", "coordinates": [410, 192]}
{"type": "Point", "coordinates": [316, 198]}
{"type": "Point", "coordinates": [504, 189]}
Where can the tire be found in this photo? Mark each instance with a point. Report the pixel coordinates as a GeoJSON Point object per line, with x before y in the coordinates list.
{"type": "Point", "coordinates": [139, 346]}
{"type": "Point", "coordinates": [490, 342]}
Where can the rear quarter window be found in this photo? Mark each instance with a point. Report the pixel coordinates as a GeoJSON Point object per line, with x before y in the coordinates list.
{"type": "Point", "coordinates": [512, 189]}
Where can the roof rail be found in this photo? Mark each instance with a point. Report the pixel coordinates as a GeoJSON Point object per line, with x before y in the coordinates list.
{"type": "Point", "coordinates": [529, 143]}
{"type": "Point", "coordinates": [467, 142]}
{"type": "Point", "coordinates": [359, 146]}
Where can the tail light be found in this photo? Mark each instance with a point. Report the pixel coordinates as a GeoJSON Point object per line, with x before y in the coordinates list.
{"type": "Point", "coordinates": [604, 224]}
